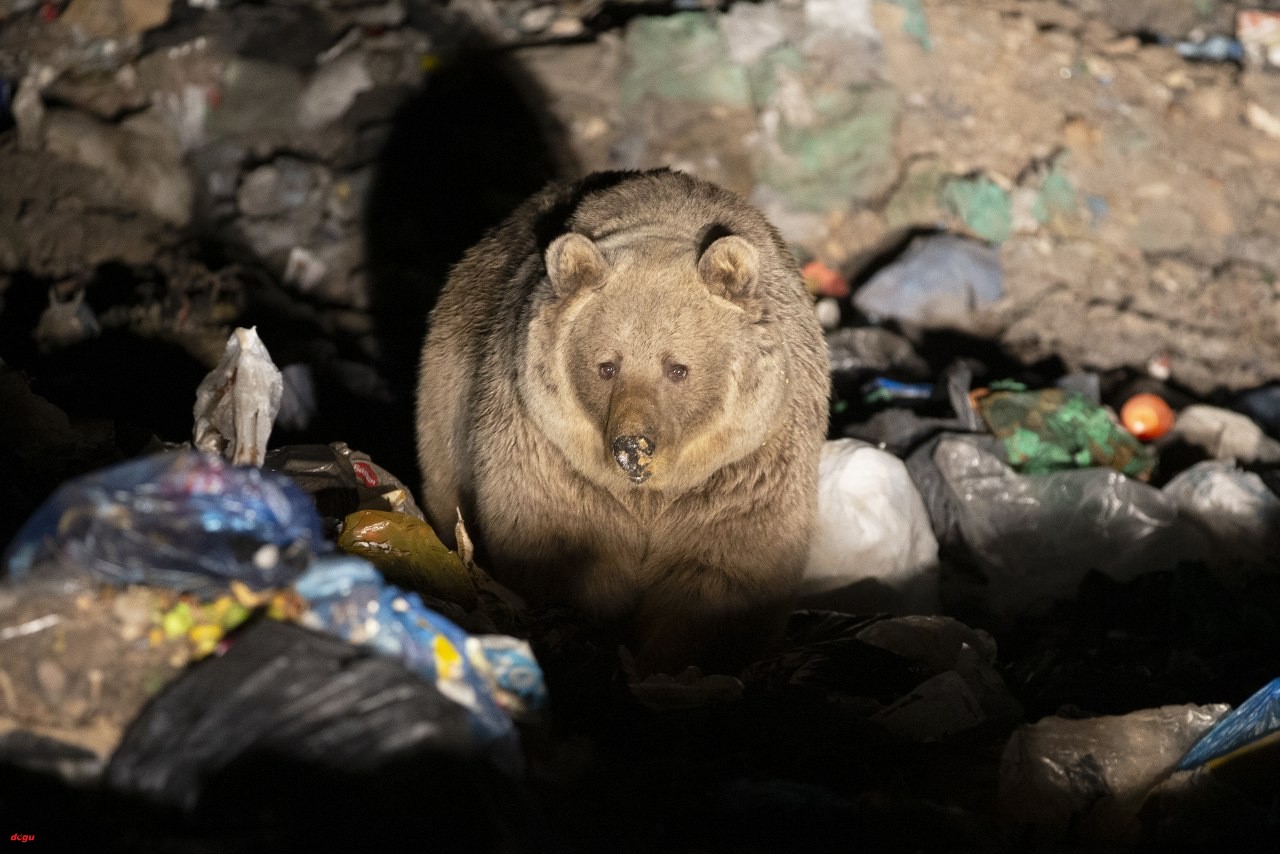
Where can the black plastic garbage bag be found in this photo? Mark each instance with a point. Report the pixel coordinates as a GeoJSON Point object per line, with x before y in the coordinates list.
{"type": "Point", "coordinates": [302, 737]}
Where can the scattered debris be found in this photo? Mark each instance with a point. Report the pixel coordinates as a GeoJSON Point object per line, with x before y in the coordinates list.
{"type": "Point", "coordinates": [1052, 191]}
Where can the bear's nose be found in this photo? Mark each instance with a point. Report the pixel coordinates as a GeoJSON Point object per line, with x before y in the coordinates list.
{"type": "Point", "coordinates": [633, 455]}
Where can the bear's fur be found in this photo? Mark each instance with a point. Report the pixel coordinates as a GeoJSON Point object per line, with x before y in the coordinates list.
{"type": "Point", "coordinates": [624, 391]}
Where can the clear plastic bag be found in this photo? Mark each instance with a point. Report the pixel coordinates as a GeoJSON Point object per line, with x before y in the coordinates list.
{"type": "Point", "coordinates": [1036, 536]}
{"type": "Point", "coordinates": [1085, 780]}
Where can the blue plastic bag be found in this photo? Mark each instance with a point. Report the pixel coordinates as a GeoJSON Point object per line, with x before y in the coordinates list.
{"type": "Point", "coordinates": [939, 281]}
{"type": "Point", "coordinates": [1254, 719]}
{"type": "Point", "coordinates": [184, 519]}
{"type": "Point", "coordinates": [349, 599]}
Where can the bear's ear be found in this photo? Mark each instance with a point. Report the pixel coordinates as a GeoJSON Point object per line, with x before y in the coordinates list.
{"type": "Point", "coordinates": [730, 267]}
{"type": "Point", "coordinates": [573, 263]}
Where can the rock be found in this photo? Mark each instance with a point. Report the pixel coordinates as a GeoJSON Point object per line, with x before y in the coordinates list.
{"type": "Point", "coordinates": [105, 94]}
{"type": "Point", "coordinates": [751, 30]}
{"type": "Point", "coordinates": [65, 323]}
{"type": "Point", "coordinates": [840, 154]}
{"type": "Point", "coordinates": [283, 204]}
{"type": "Point", "coordinates": [52, 680]}
{"type": "Point", "coordinates": [59, 219]}
{"type": "Point", "coordinates": [332, 89]}
{"type": "Point", "coordinates": [115, 18]}
{"type": "Point", "coordinates": [257, 99]}
{"type": "Point", "coordinates": [1226, 434]}
{"type": "Point", "coordinates": [1171, 18]}
{"type": "Point", "coordinates": [28, 106]}
{"type": "Point", "coordinates": [141, 156]}
{"type": "Point", "coordinates": [917, 199]}
{"type": "Point", "coordinates": [286, 185]}
{"type": "Point", "coordinates": [1165, 227]}
{"type": "Point", "coordinates": [681, 58]}
{"type": "Point", "coordinates": [982, 205]}
{"type": "Point", "coordinates": [846, 18]}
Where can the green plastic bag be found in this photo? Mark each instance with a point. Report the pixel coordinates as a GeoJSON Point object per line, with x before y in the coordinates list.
{"type": "Point", "coordinates": [1051, 429]}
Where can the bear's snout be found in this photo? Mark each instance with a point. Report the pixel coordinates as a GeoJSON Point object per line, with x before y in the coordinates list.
{"type": "Point", "coordinates": [633, 455]}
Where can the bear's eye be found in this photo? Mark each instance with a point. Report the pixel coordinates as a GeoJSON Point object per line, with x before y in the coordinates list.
{"type": "Point", "coordinates": [677, 373]}
{"type": "Point", "coordinates": [607, 370]}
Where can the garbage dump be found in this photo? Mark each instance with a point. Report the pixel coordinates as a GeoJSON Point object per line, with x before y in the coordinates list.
{"type": "Point", "coordinates": [1039, 608]}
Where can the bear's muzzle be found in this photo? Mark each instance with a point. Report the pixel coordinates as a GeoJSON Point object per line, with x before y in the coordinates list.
{"type": "Point", "coordinates": [633, 455]}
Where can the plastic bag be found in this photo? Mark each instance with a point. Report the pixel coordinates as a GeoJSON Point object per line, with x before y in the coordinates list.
{"type": "Point", "coordinates": [899, 430]}
{"type": "Point", "coordinates": [348, 598]}
{"type": "Point", "coordinates": [966, 690]}
{"type": "Point", "coordinates": [183, 519]}
{"type": "Point", "coordinates": [1262, 405]}
{"type": "Point", "coordinates": [1052, 429]}
{"type": "Point", "coordinates": [408, 552]}
{"type": "Point", "coordinates": [1226, 434]}
{"type": "Point", "coordinates": [938, 282]}
{"type": "Point", "coordinates": [1035, 537]}
{"type": "Point", "coordinates": [873, 548]}
{"type": "Point", "coordinates": [1254, 719]}
{"type": "Point", "coordinates": [1085, 780]}
{"type": "Point", "coordinates": [342, 481]}
{"type": "Point", "coordinates": [236, 403]}
{"type": "Point", "coordinates": [1241, 515]}
{"type": "Point", "coordinates": [291, 734]}
{"type": "Point", "coordinates": [870, 349]}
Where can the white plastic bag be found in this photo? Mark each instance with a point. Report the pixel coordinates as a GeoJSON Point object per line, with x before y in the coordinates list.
{"type": "Point", "coordinates": [1241, 515]}
{"type": "Point", "coordinates": [236, 403]}
{"type": "Point", "coordinates": [873, 548]}
{"type": "Point", "coordinates": [1226, 434]}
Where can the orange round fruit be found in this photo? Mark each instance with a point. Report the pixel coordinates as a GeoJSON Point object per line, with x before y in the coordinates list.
{"type": "Point", "coordinates": [1146, 416]}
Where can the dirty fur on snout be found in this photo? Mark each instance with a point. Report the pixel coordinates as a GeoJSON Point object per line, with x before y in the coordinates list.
{"type": "Point", "coordinates": [624, 392]}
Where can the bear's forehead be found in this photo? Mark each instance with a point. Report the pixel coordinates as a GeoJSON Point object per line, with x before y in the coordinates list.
{"type": "Point", "coordinates": [649, 249]}
{"type": "Point", "coordinates": [655, 312]}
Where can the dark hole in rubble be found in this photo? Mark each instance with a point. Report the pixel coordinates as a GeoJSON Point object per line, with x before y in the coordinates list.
{"type": "Point", "coordinates": [460, 153]}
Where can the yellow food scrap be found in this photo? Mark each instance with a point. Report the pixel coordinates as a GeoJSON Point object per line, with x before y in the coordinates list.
{"type": "Point", "coordinates": [177, 621]}
{"type": "Point", "coordinates": [247, 597]}
{"type": "Point", "coordinates": [448, 659]}
{"type": "Point", "coordinates": [204, 638]}
{"type": "Point", "coordinates": [228, 613]}
{"type": "Point", "coordinates": [286, 605]}
{"type": "Point", "coordinates": [408, 553]}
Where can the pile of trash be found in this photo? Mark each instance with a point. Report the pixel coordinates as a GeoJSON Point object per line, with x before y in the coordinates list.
{"type": "Point", "coordinates": [1041, 607]}
{"type": "Point", "coordinates": [195, 615]}
{"type": "Point", "coordinates": [173, 620]}
{"type": "Point", "coordinates": [173, 169]}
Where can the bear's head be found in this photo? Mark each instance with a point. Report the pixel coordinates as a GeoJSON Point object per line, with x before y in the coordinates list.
{"type": "Point", "coordinates": [651, 361]}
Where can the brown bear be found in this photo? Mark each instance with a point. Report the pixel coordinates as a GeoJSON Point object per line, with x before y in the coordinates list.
{"type": "Point", "coordinates": [624, 392]}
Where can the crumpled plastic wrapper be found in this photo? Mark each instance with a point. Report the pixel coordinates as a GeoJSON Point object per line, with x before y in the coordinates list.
{"type": "Point", "coordinates": [236, 403]}
{"type": "Point", "coordinates": [1087, 779]}
{"type": "Point", "coordinates": [342, 481]}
